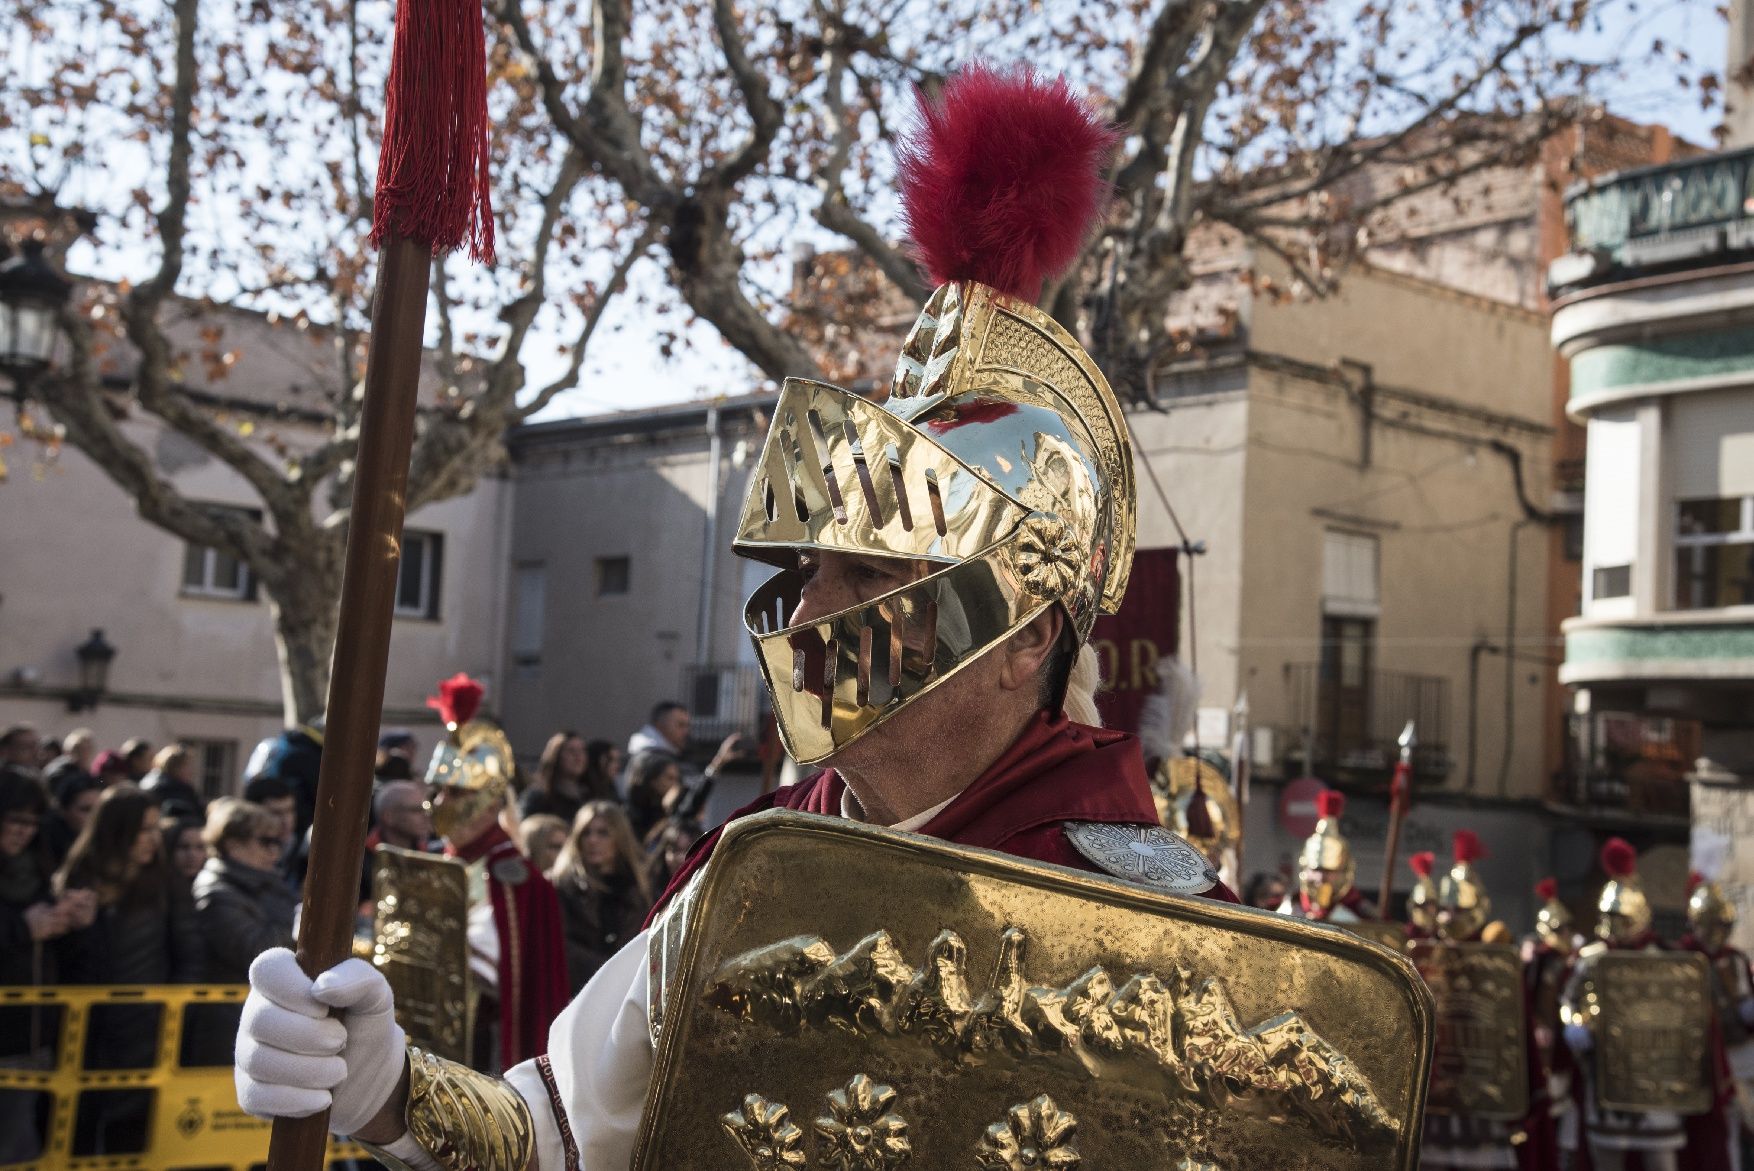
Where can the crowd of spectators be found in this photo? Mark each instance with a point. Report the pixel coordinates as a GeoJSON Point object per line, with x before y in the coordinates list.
{"type": "Point", "coordinates": [116, 867]}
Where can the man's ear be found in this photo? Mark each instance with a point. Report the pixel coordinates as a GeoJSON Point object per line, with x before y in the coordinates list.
{"type": "Point", "coordinates": [1028, 651]}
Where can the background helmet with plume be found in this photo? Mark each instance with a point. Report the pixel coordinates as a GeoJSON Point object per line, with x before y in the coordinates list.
{"type": "Point", "coordinates": [1463, 906]}
{"type": "Point", "coordinates": [997, 457]}
{"type": "Point", "coordinates": [1553, 922]}
{"type": "Point", "coordinates": [1710, 916]}
{"type": "Point", "coordinates": [472, 768]}
{"type": "Point", "coordinates": [1325, 869]}
{"type": "Point", "coordinates": [1623, 913]}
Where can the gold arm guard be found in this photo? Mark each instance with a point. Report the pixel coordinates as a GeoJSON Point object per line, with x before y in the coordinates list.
{"type": "Point", "coordinates": [467, 1121]}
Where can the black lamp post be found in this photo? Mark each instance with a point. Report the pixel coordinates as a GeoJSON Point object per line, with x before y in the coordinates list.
{"type": "Point", "coordinates": [32, 295]}
{"type": "Point", "coordinates": [94, 655]}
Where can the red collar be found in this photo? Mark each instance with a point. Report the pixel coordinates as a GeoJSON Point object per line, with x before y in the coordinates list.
{"type": "Point", "coordinates": [492, 841]}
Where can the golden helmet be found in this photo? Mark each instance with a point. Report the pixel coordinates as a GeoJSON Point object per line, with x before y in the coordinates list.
{"type": "Point", "coordinates": [1709, 915]}
{"type": "Point", "coordinates": [1194, 800]}
{"type": "Point", "coordinates": [1622, 912]}
{"type": "Point", "coordinates": [997, 458]}
{"type": "Point", "coordinates": [1325, 870]}
{"type": "Point", "coordinates": [471, 772]}
{"type": "Point", "coordinates": [1553, 920]}
{"type": "Point", "coordinates": [1422, 899]}
{"type": "Point", "coordinates": [1463, 906]}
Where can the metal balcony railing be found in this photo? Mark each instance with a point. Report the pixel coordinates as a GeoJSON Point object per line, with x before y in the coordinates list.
{"type": "Point", "coordinates": [1352, 726]}
{"type": "Point", "coordinates": [723, 698]}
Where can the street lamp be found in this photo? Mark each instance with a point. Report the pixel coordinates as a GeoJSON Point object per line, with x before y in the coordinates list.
{"type": "Point", "coordinates": [32, 295]}
{"type": "Point", "coordinates": [94, 655]}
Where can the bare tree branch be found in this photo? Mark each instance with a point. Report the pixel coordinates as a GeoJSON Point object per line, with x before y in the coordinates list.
{"type": "Point", "coordinates": [153, 382]}
{"type": "Point", "coordinates": [77, 403]}
{"type": "Point", "coordinates": [593, 316]}
{"type": "Point", "coordinates": [834, 212]}
{"type": "Point", "coordinates": [765, 114]}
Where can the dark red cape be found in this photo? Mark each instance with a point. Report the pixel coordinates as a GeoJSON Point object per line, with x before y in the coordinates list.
{"type": "Point", "coordinates": [532, 947]}
{"type": "Point", "coordinates": [1709, 1134]}
{"type": "Point", "coordinates": [1054, 772]}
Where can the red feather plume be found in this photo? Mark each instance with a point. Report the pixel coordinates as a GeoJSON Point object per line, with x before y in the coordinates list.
{"type": "Point", "coordinates": [1468, 846]}
{"type": "Point", "coordinates": [1547, 889]}
{"type": "Point", "coordinates": [1619, 859]}
{"type": "Point", "coordinates": [1330, 803]}
{"type": "Point", "coordinates": [458, 700]}
{"type": "Point", "coordinates": [1002, 180]}
{"type": "Point", "coordinates": [1422, 863]}
{"type": "Point", "coordinates": [1694, 881]}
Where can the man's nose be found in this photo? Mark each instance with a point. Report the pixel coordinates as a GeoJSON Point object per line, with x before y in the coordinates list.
{"type": "Point", "coordinates": [821, 596]}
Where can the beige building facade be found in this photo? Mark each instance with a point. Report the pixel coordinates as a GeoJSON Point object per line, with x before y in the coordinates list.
{"type": "Point", "coordinates": [195, 659]}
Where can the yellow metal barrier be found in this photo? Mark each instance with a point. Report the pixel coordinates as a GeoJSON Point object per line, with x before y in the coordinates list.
{"type": "Point", "coordinates": [193, 1122]}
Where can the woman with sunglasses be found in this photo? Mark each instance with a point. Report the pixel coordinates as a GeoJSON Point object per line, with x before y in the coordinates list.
{"type": "Point", "coordinates": [243, 905]}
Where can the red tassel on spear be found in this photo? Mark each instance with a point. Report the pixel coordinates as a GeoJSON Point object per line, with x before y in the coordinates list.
{"type": "Point", "coordinates": [432, 197]}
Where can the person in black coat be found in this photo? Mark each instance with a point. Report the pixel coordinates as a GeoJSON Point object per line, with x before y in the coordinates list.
{"type": "Point", "coordinates": [31, 918]}
{"type": "Point", "coordinates": [144, 932]}
{"type": "Point", "coordinates": [172, 783]}
{"type": "Point", "coordinates": [604, 892]}
{"type": "Point", "coordinates": [241, 904]}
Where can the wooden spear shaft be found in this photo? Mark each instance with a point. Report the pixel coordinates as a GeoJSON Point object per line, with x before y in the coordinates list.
{"type": "Point", "coordinates": [362, 643]}
{"type": "Point", "coordinates": [1399, 794]}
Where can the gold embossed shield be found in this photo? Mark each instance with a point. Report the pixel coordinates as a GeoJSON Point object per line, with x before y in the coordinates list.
{"type": "Point", "coordinates": [1652, 1023]}
{"type": "Point", "coordinates": [845, 996]}
{"type": "Point", "coordinates": [421, 945]}
{"type": "Point", "coordinates": [1480, 1068]}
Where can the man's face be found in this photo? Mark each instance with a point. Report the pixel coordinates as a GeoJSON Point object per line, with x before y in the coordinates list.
{"type": "Point", "coordinates": [405, 817]}
{"type": "Point", "coordinates": [673, 726]}
{"type": "Point", "coordinates": [936, 723]}
{"type": "Point", "coordinates": [834, 581]}
{"type": "Point", "coordinates": [285, 811]}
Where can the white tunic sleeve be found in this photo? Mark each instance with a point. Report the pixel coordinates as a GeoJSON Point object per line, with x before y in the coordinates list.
{"type": "Point", "coordinates": [600, 1061]}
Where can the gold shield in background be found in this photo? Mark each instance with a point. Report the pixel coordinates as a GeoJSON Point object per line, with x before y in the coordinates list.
{"type": "Point", "coordinates": [1652, 1047]}
{"type": "Point", "coordinates": [855, 997]}
{"type": "Point", "coordinates": [1481, 1064]}
{"type": "Point", "coordinates": [1383, 933]}
{"type": "Point", "coordinates": [421, 945]}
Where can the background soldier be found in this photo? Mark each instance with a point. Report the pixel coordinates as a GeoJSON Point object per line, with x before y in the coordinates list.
{"type": "Point", "coordinates": [1326, 871]}
{"type": "Point", "coordinates": [516, 947]}
{"type": "Point", "coordinates": [1714, 1139]}
{"type": "Point", "coordinates": [1422, 899]}
{"type": "Point", "coordinates": [1463, 914]}
{"type": "Point", "coordinates": [1547, 959]}
{"type": "Point", "coordinates": [1623, 923]}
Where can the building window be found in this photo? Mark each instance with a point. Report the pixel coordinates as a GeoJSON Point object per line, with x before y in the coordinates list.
{"type": "Point", "coordinates": [1714, 553]}
{"type": "Point", "coordinates": [213, 573]}
{"type": "Point", "coordinates": [612, 576]}
{"type": "Point", "coordinates": [1573, 537]}
{"type": "Point", "coordinates": [419, 578]}
{"type": "Point", "coordinates": [529, 612]}
{"type": "Point", "coordinates": [216, 766]}
{"type": "Point", "coordinates": [1349, 575]}
{"type": "Point", "coordinates": [1611, 581]}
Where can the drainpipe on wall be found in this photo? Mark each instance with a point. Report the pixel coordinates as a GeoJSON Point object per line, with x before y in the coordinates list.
{"type": "Point", "coordinates": [709, 549]}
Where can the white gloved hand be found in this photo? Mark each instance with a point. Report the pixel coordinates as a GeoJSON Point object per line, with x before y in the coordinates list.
{"type": "Point", "coordinates": [1579, 1039]}
{"type": "Point", "coordinates": [294, 1059]}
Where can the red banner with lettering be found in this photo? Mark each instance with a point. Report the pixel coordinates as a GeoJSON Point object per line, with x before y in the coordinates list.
{"type": "Point", "coordinates": [1130, 643]}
